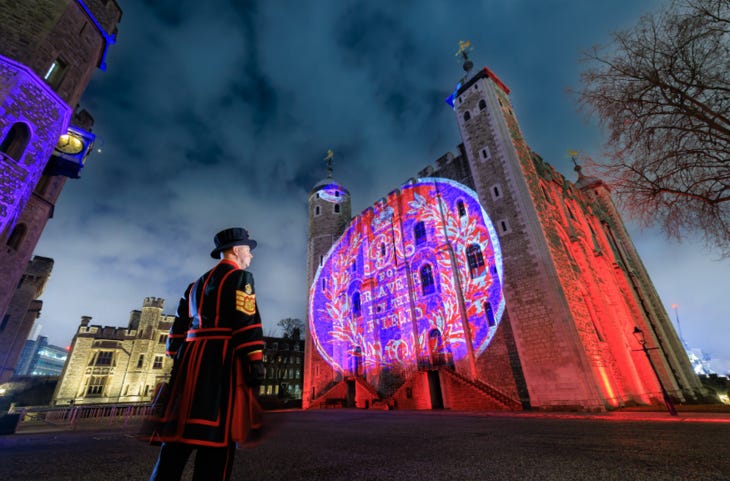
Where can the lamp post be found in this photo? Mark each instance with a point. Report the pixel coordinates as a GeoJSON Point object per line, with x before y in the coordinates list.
{"type": "Point", "coordinates": [639, 335]}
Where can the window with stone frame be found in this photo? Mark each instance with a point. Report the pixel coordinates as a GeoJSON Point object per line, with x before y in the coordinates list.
{"type": "Point", "coordinates": [419, 232]}
{"type": "Point", "coordinates": [427, 284]}
{"type": "Point", "coordinates": [96, 386]}
{"type": "Point", "coordinates": [157, 363]}
{"type": "Point", "coordinates": [15, 141]}
{"type": "Point", "coordinates": [140, 361]}
{"type": "Point", "coordinates": [104, 358]}
{"type": "Point", "coordinates": [475, 260]}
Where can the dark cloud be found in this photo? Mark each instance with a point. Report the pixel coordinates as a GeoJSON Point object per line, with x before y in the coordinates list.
{"type": "Point", "coordinates": [213, 114]}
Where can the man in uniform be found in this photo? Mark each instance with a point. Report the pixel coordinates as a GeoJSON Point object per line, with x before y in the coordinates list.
{"type": "Point", "coordinates": [217, 344]}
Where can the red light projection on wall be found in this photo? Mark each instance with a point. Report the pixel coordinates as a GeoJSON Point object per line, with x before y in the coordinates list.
{"type": "Point", "coordinates": [407, 279]}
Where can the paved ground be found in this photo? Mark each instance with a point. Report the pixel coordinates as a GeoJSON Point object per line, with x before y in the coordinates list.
{"type": "Point", "coordinates": [355, 445]}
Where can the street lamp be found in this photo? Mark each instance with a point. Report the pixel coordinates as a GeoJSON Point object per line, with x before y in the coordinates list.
{"type": "Point", "coordinates": [639, 335]}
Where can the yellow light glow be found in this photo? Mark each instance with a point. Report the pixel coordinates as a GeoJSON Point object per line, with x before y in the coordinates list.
{"type": "Point", "coordinates": [724, 398]}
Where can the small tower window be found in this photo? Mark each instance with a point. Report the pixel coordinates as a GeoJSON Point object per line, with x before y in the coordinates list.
{"type": "Point", "coordinates": [337, 193]}
{"type": "Point", "coordinates": [16, 140]}
{"type": "Point", "coordinates": [496, 193]}
{"type": "Point", "coordinates": [55, 73]}
{"type": "Point", "coordinates": [504, 226]}
{"type": "Point", "coordinates": [321, 259]}
{"type": "Point", "coordinates": [427, 285]}
{"type": "Point", "coordinates": [317, 210]}
{"type": "Point", "coordinates": [16, 237]}
{"type": "Point", "coordinates": [485, 153]}
{"type": "Point", "coordinates": [467, 116]}
{"type": "Point", "coordinates": [461, 208]}
{"type": "Point", "coordinates": [354, 266]}
{"type": "Point", "coordinates": [475, 259]}
{"type": "Point", "coordinates": [356, 309]}
{"type": "Point", "coordinates": [324, 284]}
{"type": "Point", "coordinates": [482, 104]}
{"type": "Point", "coordinates": [419, 232]}
{"type": "Point", "coordinates": [382, 249]}
{"type": "Point", "coordinates": [337, 208]}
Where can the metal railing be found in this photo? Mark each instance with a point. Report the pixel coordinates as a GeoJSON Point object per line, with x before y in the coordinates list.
{"type": "Point", "coordinates": [73, 416]}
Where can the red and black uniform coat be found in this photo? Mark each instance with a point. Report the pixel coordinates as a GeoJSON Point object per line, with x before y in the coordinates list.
{"type": "Point", "coordinates": [216, 332]}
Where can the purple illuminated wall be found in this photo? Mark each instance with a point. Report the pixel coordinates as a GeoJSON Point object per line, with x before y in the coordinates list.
{"type": "Point", "coordinates": [414, 280]}
{"type": "Point", "coordinates": [27, 100]}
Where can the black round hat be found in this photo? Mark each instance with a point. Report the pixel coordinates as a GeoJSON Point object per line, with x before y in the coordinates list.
{"type": "Point", "coordinates": [235, 236]}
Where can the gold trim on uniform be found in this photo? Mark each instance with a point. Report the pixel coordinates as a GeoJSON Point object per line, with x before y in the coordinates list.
{"type": "Point", "coordinates": [246, 302]}
{"type": "Point", "coordinates": [248, 289]}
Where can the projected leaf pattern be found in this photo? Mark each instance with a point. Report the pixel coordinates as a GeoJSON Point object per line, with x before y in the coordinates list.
{"type": "Point", "coordinates": [373, 259]}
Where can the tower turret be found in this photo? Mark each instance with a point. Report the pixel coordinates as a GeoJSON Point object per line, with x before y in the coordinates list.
{"type": "Point", "coordinates": [329, 215]}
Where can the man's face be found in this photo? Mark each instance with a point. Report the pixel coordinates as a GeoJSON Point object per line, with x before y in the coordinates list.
{"type": "Point", "coordinates": [244, 255]}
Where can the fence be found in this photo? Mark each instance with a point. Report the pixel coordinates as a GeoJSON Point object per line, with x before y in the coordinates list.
{"type": "Point", "coordinates": [73, 416]}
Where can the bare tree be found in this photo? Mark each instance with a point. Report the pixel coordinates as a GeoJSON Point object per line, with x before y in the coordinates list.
{"type": "Point", "coordinates": [661, 90]}
{"type": "Point", "coordinates": [292, 327]}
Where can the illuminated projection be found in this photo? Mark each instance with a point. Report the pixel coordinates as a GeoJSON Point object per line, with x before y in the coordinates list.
{"type": "Point", "coordinates": [331, 193]}
{"type": "Point", "coordinates": [407, 279]}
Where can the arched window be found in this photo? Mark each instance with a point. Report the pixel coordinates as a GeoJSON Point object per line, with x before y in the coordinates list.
{"type": "Point", "coordinates": [337, 208]}
{"type": "Point", "coordinates": [475, 259]}
{"type": "Point", "coordinates": [16, 237]}
{"type": "Point", "coordinates": [419, 232]}
{"type": "Point", "coordinates": [482, 104]}
{"type": "Point", "coordinates": [356, 309]}
{"type": "Point", "coordinates": [490, 314]}
{"type": "Point", "coordinates": [461, 208]}
{"type": "Point", "coordinates": [467, 116]}
{"type": "Point", "coordinates": [427, 286]}
{"type": "Point", "coordinates": [15, 142]}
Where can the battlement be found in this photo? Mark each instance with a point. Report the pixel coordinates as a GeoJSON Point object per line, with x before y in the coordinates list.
{"type": "Point", "coordinates": [157, 302]}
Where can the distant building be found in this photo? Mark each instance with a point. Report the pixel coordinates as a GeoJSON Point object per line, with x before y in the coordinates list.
{"type": "Point", "coordinates": [22, 312]}
{"type": "Point", "coordinates": [491, 281]}
{"type": "Point", "coordinates": [284, 361]}
{"type": "Point", "coordinates": [41, 359]}
{"type": "Point", "coordinates": [115, 364]}
{"type": "Point", "coordinates": [48, 53]}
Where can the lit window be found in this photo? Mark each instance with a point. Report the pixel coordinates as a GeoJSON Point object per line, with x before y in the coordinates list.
{"type": "Point", "coordinates": [55, 73]}
{"type": "Point", "coordinates": [461, 208]}
{"type": "Point", "coordinates": [427, 286]}
{"type": "Point", "coordinates": [419, 232]}
{"type": "Point", "coordinates": [475, 260]}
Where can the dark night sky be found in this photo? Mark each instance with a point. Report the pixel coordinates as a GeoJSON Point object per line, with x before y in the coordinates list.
{"type": "Point", "coordinates": [219, 113]}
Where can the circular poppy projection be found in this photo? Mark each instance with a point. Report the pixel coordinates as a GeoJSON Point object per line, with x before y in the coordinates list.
{"type": "Point", "coordinates": [415, 280]}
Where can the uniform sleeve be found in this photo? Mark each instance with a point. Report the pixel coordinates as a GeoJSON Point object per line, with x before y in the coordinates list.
{"type": "Point", "coordinates": [180, 325]}
{"type": "Point", "coordinates": [247, 330]}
